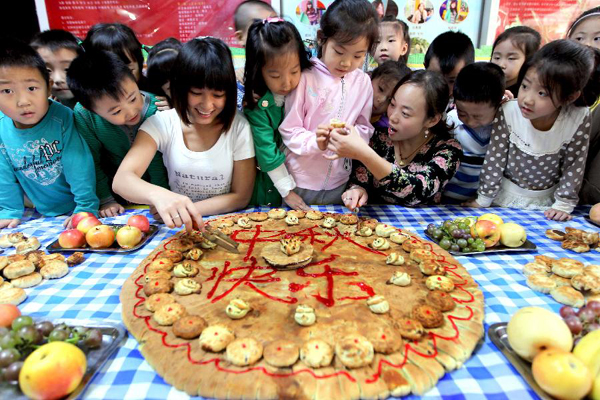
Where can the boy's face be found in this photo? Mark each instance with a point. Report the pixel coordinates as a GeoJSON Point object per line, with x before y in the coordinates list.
{"type": "Point", "coordinates": [475, 115]}
{"type": "Point", "coordinates": [391, 44]}
{"type": "Point", "coordinates": [382, 91]}
{"type": "Point", "coordinates": [434, 65]}
{"type": "Point", "coordinates": [127, 110]}
{"type": "Point", "coordinates": [57, 63]}
{"type": "Point", "coordinates": [23, 95]}
{"type": "Point", "coordinates": [256, 12]}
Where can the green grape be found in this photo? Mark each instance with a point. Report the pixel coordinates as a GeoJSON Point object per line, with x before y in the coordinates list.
{"type": "Point", "coordinates": [480, 247]}
{"type": "Point", "coordinates": [445, 244]}
{"type": "Point", "coordinates": [470, 241]}
{"type": "Point", "coordinates": [462, 243]}
{"type": "Point", "coordinates": [21, 321]}
{"type": "Point", "coordinates": [465, 250]}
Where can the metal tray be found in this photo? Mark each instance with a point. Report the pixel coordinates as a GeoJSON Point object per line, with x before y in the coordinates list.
{"type": "Point", "coordinates": [498, 335]}
{"type": "Point", "coordinates": [588, 219]}
{"type": "Point", "coordinates": [527, 246]}
{"type": "Point", "coordinates": [112, 335]}
{"type": "Point", "coordinates": [54, 247]}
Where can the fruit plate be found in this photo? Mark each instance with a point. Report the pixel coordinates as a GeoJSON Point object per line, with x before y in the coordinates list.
{"type": "Point", "coordinates": [527, 246]}
{"type": "Point", "coordinates": [589, 220]}
{"type": "Point", "coordinates": [54, 247]}
{"type": "Point", "coordinates": [113, 334]}
{"type": "Point", "coordinates": [499, 336]}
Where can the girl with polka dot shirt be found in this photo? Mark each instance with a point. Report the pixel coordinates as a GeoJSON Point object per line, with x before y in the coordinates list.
{"type": "Point", "coordinates": [536, 156]}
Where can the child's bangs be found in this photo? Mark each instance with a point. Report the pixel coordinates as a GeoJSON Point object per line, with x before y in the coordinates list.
{"type": "Point", "coordinates": [205, 69]}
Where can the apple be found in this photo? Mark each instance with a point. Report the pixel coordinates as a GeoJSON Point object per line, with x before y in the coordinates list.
{"type": "Point", "coordinates": [71, 239]}
{"type": "Point", "coordinates": [561, 374]}
{"type": "Point", "coordinates": [8, 313]}
{"type": "Point", "coordinates": [52, 371]}
{"type": "Point", "coordinates": [491, 217]}
{"type": "Point", "coordinates": [512, 235]}
{"type": "Point", "coordinates": [595, 213]}
{"type": "Point", "coordinates": [77, 218]}
{"type": "Point", "coordinates": [100, 236]}
{"type": "Point", "coordinates": [129, 236]}
{"type": "Point", "coordinates": [487, 231]}
{"type": "Point", "coordinates": [87, 223]}
{"type": "Point", "coordinates": [140, 222]}
{"type": "Point", "coordinates": [534, 329]}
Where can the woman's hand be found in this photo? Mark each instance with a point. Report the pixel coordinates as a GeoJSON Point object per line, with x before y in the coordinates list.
{"type": "Point", "coordinates": [176, 210]}
{"type": "Point", "coordinates": [472, 203]}
{"type": "Point", "coordinates": [345, 143]}
{"type": "Point", "coordinates": [162, 104]}
{"type": "Point", "coordinates": [557, 215]}
{"type": "Point", "coordinates": [355, 197]}
{"type": "Point", "coordinates": [323, 132]}
{"type": "Point", "coordinates": [9, 223]}
{"type": "Point", "coordinates": [295, 202]}
{"type": "Point", "coordinates": [111, 209]}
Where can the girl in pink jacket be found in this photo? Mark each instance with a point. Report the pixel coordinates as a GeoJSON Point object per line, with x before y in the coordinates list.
{"type": "Point", "coordinates": [334, 89]}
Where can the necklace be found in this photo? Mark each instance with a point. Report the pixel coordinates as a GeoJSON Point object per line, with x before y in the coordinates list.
{"type": "Point", "coordinates": [404, 160]}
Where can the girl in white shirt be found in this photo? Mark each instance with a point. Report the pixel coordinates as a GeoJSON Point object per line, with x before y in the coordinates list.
{"type": "Point", "coordinates": [206, 145]}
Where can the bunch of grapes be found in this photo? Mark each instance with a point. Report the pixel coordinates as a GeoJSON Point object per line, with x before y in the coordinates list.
{"type": "Point", "coordinates": [26, 336]}
{"type": "Point", "coordinates": [582, 322]}
{"type": "Point", "coordinates": [455, 235]}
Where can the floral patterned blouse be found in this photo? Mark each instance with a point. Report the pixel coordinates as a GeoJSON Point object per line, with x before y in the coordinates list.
{"type": "Point", "coordinates": [420, 182]}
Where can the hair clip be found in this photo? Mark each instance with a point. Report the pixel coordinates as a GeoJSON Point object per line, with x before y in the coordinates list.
{"type": "Point", "coordinates": [577, 22]}
{"type": "Point", "coordinates": [272, 19]}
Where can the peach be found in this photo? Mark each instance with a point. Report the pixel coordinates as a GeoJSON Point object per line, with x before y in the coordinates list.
{"type": "Point", "coordinates": [52, 371]}
{"type": "Point", "coordinates": [8, 313]}
{"type": "Point", "coordinates": [561, 374]}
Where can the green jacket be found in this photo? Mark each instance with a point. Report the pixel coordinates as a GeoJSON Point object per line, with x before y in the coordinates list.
{"type": "Point", "coordinates": [264, 120]}
{"type": "Point", "coordinates": [110, 143]}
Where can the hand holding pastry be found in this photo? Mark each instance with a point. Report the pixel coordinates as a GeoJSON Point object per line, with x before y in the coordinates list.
{"type": "Point", "coordinates": [345, 143]}
{"type": "Point", "coordinates": [323, 132]}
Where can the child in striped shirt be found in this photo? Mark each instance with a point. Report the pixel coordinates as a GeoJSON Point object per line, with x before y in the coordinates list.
{"type": "Point", "coordinates": [477, 94]}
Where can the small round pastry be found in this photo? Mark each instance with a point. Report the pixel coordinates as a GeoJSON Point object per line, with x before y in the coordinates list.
{"type": "Point", "coordinates": [187, 286]}
{"type": "Point", "coordinates": [297, 213]}
{"type": "Point", "coordinates": [545, 260]}
{"type": "Point", "coordinates": [440, 300]}
{"type": "Point", "coordinates": [54, 269]}
{"type": "Point", "coordinates": [422, 255]}
{"type": "Point", "coordinates": [290, 245]}
{"type": "Point", "coordinates": [305, 315]}
{"type": "Point", "coordinates": [409, 245]}
{"type": "Point", "coordinates": [18, 269]}
{"type": "Point", "coordinates": [380, 244]}
{"type": "Point", "coordinates": [583, 281]}
{"type": "Point", "coordinates": [155, 301]}
{"type": "Point", "coordinates": [410, 329]}
{"type": "Point", "coordinates": [567, 268]}
{"type": "Point", "coordinates": [555, 234]}
{"type": "Point", "coordinates": [243, 352]}
{"type": "Point", "coordinates": [560, 281]}
{"type": "Point", "coordinates": [314, 215]}
{"type": "Point", "coordinates": [157, 274]}
{"type": "Point", "coordinates": [186, 269]}
{"type": "Point", "coordinates": [535, 269]}
{"type": "Point", "coordinates": [16, 237]}
{"type": "Point", "coordinates": [316, 353]}
{"type": "Point", "coordinates": [541, 283]}
{"type": "Point", "coordinates": [399, 237]}
{"type": "Point", "coordinates": [4, 262]}
{"type": "Point", "coordinates": [329, 223]}
{"type": "Point", "coordinates": [215, 338]}
{"type": "Point", "coordinates": [349, 219]}
{"type": "Point", "coordinates": [195, 236]}
{"type": "Point", "coordinates": [35, 256]}
{"type": "Point", "coordinates": [385, 231]}
{"type": "Point", "coordinates": [194, 254]}
{"type": "Point", "coordinates": [258, 216]}
{"type": "Point", "coordinates": [432, 267]}
{"type": "Point", "coordinates": [49, 257]}
{"type": "Point", "coordinates": [27, 245]}
{"type": "Point", "coordinates": [168, 314]}
{"type": "Point", "coordinates": [378, 304]}
{"type": "Point", "coordinates": [430, 317]}
{"type": "Point", "coordinates": [173, 255]}
{"type": "Point", "coordinates": [335, 216]}
{"type": "Point", "coordinates": [400, 279]}
{"type": "Point", "coordinates": [281, 353]}
{"type": "Point", "coordinates": [27, 281]}
{"type": "Point", "coordinates": [291, 220]}
{"type": "Point", "coordinates": [160, 264]}
{"type": "Point", "coordinates": [4, 242]}
{"type": "Point", "coordinates": [244, 222]}
{"type": "Point", "coordinates": [189, 327]}
{"type": "Point", "coordinates": [222, 223]}
{"type": "Point", "coordinates": [364, 231]}
{"type": "Point", "coordinates": [180, 245]}
{"type": "Point", "coordinates": [208, 245]}
{"type": "Point", "coordinates": [354, 351]}
{"type": "Point", "coordinates": [576, 246]}
{"type": "Point", "coordinates": [158, 286]}
{"type": "Point", "coordinates": [438, 282]}
{"type": "Point", "coordinates": [237, 309]}
{"type": "Point", "coordinates": [17, 257]}
{"type": "Point", "coordinates": [394, 259]}
{"type": "Point", "coordinates": [384, 338]}
{"type": "Point", "coordinates": [588, 269]}
{"type": "Point", "coordinates": [12, 295]}
{"type": "Point", "coordinates": [75, 259]}
{"type": "Point", "coordinates": [277, 213]}
{"type": "Point", "coordinates": [568, 296]}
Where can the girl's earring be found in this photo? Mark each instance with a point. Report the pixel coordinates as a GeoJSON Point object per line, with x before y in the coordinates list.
{"type": "Point", "coordinates": [426, 133]}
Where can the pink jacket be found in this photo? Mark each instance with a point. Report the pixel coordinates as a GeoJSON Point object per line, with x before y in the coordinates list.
{"type": "Point", "coordinates": [318, 98]}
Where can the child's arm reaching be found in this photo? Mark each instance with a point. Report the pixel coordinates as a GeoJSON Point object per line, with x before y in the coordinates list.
{"type": "Point", "coordinates": [11, 196]}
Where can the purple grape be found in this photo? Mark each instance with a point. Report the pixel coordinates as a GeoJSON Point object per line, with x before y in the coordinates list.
{"type": "Point", "coordinates": [11, 373]}
{"type": "Point", "coordinates": [467, 236]}
{"type": "Point", "coordinates": [574, 324]}
{"type": "Point", "coordinates": [595, 306]}
{"type": "Point", "coordinates": [457, 233]}
{"type": "Point", "coordinates": [566, 311]}
{"type": "Point", "coordinates": [586, 315]}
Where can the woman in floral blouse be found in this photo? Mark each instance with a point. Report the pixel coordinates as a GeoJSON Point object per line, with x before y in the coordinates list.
{"type": "Point", "coordinates": [411, 162]}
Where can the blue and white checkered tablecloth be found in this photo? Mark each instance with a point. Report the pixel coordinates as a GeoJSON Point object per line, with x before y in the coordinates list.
{"type": "Point", "coordinates": [91, 291]}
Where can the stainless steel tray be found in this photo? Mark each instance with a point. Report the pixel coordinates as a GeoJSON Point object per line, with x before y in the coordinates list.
{"type": "Point", "coordinates": [498, 335]}
{"type": "Point", "coordinates": [112, 335]}
{"type": "Point", "coordinates": [54, 247]}
{"type": "Point", "coordinates": [527, 246]}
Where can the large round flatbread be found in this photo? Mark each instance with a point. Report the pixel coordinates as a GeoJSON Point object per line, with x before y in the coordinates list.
{"type": "Point", "coordinates": [343, 273]}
